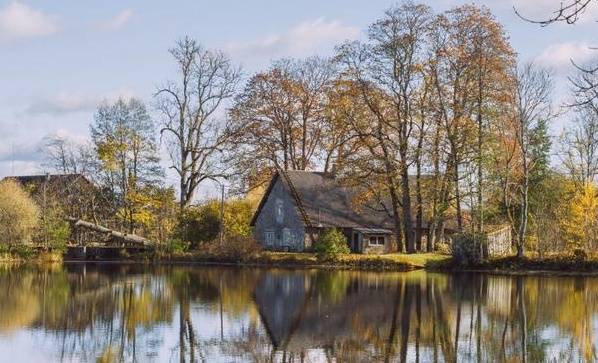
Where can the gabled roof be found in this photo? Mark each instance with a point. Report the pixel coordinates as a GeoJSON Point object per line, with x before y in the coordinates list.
{"type": "Point", "coordinates": [326, 202]}
{"type": "Point", "coordinates": [26, 179]}
{"type": "Point", "coordinates": [56, 181]}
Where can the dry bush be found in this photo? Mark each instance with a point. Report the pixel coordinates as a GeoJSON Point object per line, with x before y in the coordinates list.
{"type": "Point", "coordinates": [19, 215]}
{"type": "Point", "coordinates": [237, 248]}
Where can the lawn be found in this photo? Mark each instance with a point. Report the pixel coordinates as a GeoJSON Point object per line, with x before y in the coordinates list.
{"type": "Point", "coordinates": [390, 262]}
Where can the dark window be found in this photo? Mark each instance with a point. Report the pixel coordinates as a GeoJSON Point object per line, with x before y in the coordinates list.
{"type": "Point", "coordinates": [376, 240]}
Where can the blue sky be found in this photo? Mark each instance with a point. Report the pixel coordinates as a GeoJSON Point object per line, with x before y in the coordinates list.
{"type": "Point", "coordinates": [60, 58]}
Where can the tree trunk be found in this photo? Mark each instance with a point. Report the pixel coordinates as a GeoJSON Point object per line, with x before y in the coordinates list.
{"type": "Point", "coordinates": [396, 219]}
{"type": "Point", "coordinates": [406, 207]}
{"type": "Point", "coordinates": [524, 212]}
{"type": "Point", "coordinates": [457, 194]}
{"type": "Point", "coordinates": [419, 214]}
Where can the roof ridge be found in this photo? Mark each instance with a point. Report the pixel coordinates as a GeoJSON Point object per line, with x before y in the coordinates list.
{"type": "Point", "coordinates": [297, 198]}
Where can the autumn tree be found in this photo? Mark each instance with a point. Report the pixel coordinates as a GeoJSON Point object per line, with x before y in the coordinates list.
{"type": "Point", "coordinates": [193, 127]}
{"type": "Point", "coordinates": [452, 70]}
{"type": "Point", "coordinates": [581, 223]}
{"type": "Point", "coordinates": [19, 214]}
{"type": "Point", "coordinates": [493, 60]}
{"type": "Point", "coordinates": [123, 135]}
{"type": "Point", "coordinates": [285, 117]}
{"type": "Point", "coordinates": [388, 72]}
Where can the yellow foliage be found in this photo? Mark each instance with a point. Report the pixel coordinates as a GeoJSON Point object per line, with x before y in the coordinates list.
{"type": "Point", "coordinates": [19, 215]}
{"type": "Point", "coordinates": [580, 225]}
{"type": "Point", "coordinates": [154, 209]}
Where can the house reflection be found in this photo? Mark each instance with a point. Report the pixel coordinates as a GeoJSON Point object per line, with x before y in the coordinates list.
{"type": "Point", "coordinates": [327, 311]}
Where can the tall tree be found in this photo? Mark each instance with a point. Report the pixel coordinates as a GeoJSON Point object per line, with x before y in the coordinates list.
{"type": "Point", "coordinates": [580, 146]}
{"type": "Point", "coordinates": [387, 71]}
{"type": "Point", "coordinates": [123, 135]}
{"type": "Point", "coordinates": [195, 134]}
{"type": "Point", "coordinates": [493, 58]}
{"type": "Point", "coordinates": [452, 71]}
{"type": "Point", "coordinates": [532, 108]}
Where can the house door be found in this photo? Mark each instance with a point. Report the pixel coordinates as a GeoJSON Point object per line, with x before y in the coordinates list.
{"type": "Point", "coordinates": [355, 243]}
{"type": "Point", "coordinates": [286, 238]}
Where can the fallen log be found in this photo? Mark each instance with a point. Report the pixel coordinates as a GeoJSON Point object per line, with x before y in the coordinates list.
{"type": "Point", "coordinates": [113, 235]}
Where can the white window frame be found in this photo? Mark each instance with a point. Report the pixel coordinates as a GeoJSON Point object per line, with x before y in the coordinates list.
{"type": "Point", "coordinates": [380, 240]}
{"type": "Point", "coordinates": [269, 237]}
{"type": "Point", "coordinates": [279, 210]}
{"type": "Point", "coordinates": [287, 237]}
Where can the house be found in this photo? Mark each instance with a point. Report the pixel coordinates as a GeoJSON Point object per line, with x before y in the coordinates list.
{"type": "Point", "coordinates": [73, 192]}
{"type": "Point", "coordinates": [298, 205]}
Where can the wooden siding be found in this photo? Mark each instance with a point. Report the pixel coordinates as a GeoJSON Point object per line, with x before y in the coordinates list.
{"type": "Point", "coordinates": [280, 220]}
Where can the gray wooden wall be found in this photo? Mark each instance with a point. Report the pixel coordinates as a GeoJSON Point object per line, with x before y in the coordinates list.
{"type": "Point", "coordinates": [279, 218]}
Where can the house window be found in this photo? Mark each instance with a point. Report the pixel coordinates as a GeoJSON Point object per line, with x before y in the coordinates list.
{"type": "Point", "coordinates": [377, 240]}
{"type": "Point", "coordinates": [286, 237]}
{"type": "Point", "coordinates": [269, 237]}
{"type": "Point", "coordinates": [279, 211]}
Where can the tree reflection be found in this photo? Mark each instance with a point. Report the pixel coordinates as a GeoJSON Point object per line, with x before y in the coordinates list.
{"type": "Point", "coordinates": [139, 313]}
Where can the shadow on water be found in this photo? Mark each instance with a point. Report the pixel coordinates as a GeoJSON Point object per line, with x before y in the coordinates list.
{"type": "Point", "coordinates": [111, 313]}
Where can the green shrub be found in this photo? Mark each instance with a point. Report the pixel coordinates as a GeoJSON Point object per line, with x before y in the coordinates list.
{"type": "Point", "coordinates": [54, 231]}
{"type": "Point", "coordinates": [175, 246]}
{"type": "Point", "coordinates": [198, 225]}
{"type": "Point", "coordinates": [23, 251]}
{"type": "Point", "coordinates": [469, 248]}
{"type": "Point", "coordinates": [331, 245]}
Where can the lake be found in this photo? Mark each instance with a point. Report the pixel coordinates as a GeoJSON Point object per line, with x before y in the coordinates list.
{"type": "Point", "coordinates": [114, 312]}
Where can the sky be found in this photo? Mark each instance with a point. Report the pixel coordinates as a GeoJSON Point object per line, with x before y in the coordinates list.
{"type": "Point", "coordinates": [59, 59]}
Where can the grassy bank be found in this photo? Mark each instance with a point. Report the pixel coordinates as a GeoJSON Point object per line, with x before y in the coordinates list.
{"type": "Point", "coordinates": [43, 257]}
{"type": "Point", "coordinates": [556, 263]}
{"type": "Point", "coordinates": [560, 263]}
{"type": "Point", "coordinates": [389, 262]}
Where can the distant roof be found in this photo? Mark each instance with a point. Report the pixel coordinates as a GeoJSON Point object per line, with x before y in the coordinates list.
{"type": "Point", "coordinates": [328, 203]}
{"type": "Point", "coordinates": [43, 177]}
{"type": "Point", "coordinates": [52, 178]}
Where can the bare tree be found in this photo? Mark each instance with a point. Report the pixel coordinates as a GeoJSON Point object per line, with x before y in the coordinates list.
{"type": "Point", "coordinates": [532, 106]}
{"type": "Point", "coordinates": [195, 134]}
{"type": "Point", "coordinates": [580, 147]}
{"type": "Point", "coordinates": [63, 155]}
{"type": "Point", "coordinates": [568, 12]}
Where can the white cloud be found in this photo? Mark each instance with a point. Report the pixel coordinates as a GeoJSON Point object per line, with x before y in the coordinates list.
{"type": "Point", "coordinates": [69, 102]}
{"type": "Point", "coordinates": [19, 21]}
{"type": "Point", "coordinates": [558, 56]}
{"type": "Point", "coordinates": [116, 22]}
{"type": "Point", "coordinates": [303, 39]}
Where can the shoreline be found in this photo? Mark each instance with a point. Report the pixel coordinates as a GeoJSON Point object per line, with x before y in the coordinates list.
{"type": "Point", "coordinates": [556, 265]}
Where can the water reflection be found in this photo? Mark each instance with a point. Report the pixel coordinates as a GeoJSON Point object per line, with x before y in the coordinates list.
{"type": "Point", "coordinates": [112, 313]}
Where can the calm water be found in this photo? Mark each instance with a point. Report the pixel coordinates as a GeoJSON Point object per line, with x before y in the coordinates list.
{"type": "Point", "coordinates": [105, 313]}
